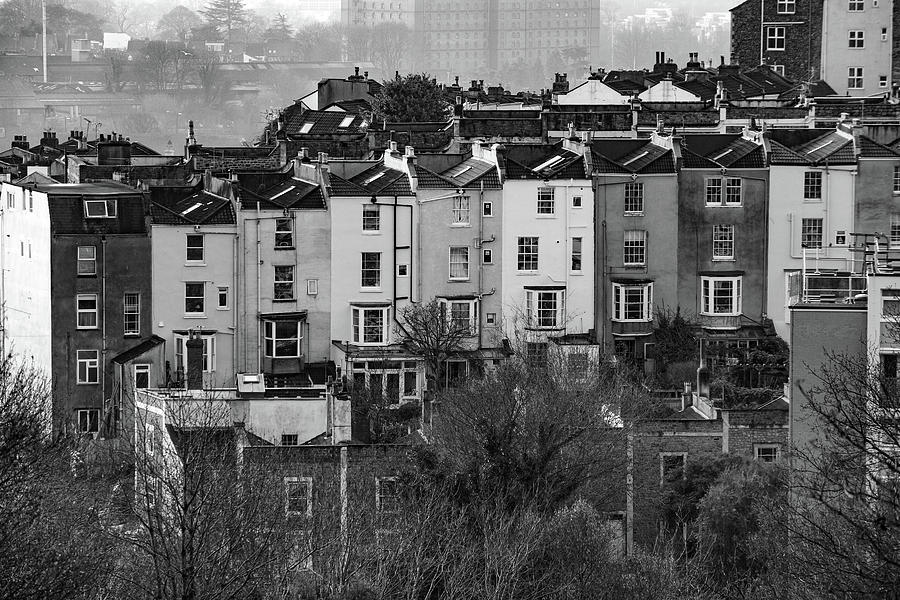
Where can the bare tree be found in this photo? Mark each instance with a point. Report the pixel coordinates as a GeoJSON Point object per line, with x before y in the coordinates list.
{"type": "Point", "coordinates": [390, 45]}
{"type": "Point", "coordinates": [845, 481]}
{"type": "Point", "coordinates": [430, 331]}
{"type": "Point", "coordinates": [178, 22]}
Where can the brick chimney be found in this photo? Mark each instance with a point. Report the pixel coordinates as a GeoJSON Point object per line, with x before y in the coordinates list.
{"type": "Point", "coordinates": [194, 351]}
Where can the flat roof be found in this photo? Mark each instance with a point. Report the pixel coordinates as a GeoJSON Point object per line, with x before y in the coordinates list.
{"type": "Point", "coordinates": [104, 188]}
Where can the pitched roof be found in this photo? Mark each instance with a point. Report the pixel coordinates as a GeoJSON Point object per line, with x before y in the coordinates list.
{"type": "Point", "coordinates": [631, 156]}
{"type": "Point", "coordinates": [472, 173]}
{"type": "Point", "coordinates": [833, 147]}
{"type": "Point", "coordinates": [381, 180]}
{"type": "Point", "coordinates": [285, 191]}
{"type": "Point", "coordinates": [199, 207]}
{"type": "Point", "coordinates": [324, 122]}
{"type": "Point", "coordinates": [722, 150]}
{"type": "Point", "coordinates": [138, 350]}
{"type": "Point", "coordinates": [540, 161]}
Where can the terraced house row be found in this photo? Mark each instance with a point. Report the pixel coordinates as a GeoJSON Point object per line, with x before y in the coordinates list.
{"type": "Point", "coordinates": [296, 274]}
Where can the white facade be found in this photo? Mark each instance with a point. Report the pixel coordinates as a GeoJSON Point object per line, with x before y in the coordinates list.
{"type": "Point", "coordinates": [25, 275]}
{"type": "Point", "coordinates": [591, 92]}
{"type": "Point", "coordinates": [209, 268]}
{"type": "Point", "coordinates": [788, 208]}
{"type": "Point", "coordinates": [548, 296]}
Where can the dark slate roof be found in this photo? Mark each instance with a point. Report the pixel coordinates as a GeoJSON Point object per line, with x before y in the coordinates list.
{"type": "Point", "coordinates": [200, 207]}
{"type": "Point", "coordinates": [104, 188]}
{"type": "Point", "coordinates": [831, 147]}
{"type": "Point", "coordinates": [779, 154]}
{"type": "Point", "coordinates": [718, 151]}
{"type": "Point", "coordinates": [539, 161]}
{"type": "Point", "coordinates": [138, 350]}
{"type": "Point", "coordinates": [869, 148]}
{"type": "Point", "coordinates": [428, 179]}
{"type": "Point", "coordinates": [338, 186]}
{"type": "Point", "coordinates": [472, 173]}
{"type": "Point", "coordinates": [704, 89]}
{"type": "Point", "coordinates": [285, 192]}
{"type": "Point", "coordinates": [631, 156]}
{"type": "Point", "coordinates": [379, 180]}
{"type": "Point", "coordinates": [235, 163]}
{"type": "Point", "coordinates": [323, 122]}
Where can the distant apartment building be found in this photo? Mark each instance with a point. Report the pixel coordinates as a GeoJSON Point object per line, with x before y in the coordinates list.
{"type": "Point", "coordinates": [25, 315]}
{"type": "Point", "coordinates": [193, 235]}
{"type": "Point", "coordinates": [548, 241]}
{"type": "Point", "coordinates": [101, 297]}
{"type": "Point", "coordinates": [848, 43]}
{"type": "Point", "coordinates": [453, 36]}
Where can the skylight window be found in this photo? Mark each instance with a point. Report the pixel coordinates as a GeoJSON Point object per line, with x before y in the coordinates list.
{"type": "Point", "coordinates": [193, 208]}
{"type": "Point", "coordinates": [727, 152]}
{"type": "Point", "coordinates": [631, 160]}
{"type": "Point", "coordinates": [347, 121]}
{"type": "Point", "coordinates": [373, 178]}
{"type": "Point", "coordinates": [282, 193]}
{"type": "Point", "coordinates": [461, 171]}
{"type": "Point", "coordinates": [306, 127]}
{"type": "Point", "coordinates": [548, 163]}
{"type": "Point", "coordinates": [817, 148]}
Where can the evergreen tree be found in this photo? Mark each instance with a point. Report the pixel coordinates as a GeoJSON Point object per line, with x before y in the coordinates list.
{"type": "Point", "coordinates": [225, 15]}
{"type": "Point", "coordinates": [414, 98]}
{"type": "Point", "coordinates": [280, 28]}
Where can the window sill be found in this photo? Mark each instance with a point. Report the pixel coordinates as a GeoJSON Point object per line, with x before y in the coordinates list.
{"type": "Point", "coordinates": [721, 260]}
{"type": "Point", "coordinates": [222, 308]}
{"type": "Point", "coordinates": [460, 225]}
{"type": "Point", "coordinates": [87, 275]}
{"type": "Point", "coordinates": [370, 290]}
{"type": "Point", "coordinates": [466, 280]}
{"type": "Point", "coordinates": [371, 232]}
{"type": "Point", "coordinates": [528, 273]}
{"type": "Point", "coordinates": [631, 320]}
{"type": "Point", "coordinates": [576, 273]}
{"type": "Point", "coordinates": [88, 383]}
{"type": "Point", "coordinates": [637, 214]}
{"type": "Point", "coordinates": [277, 248]}
{"type": "Point", "coordinates": [635, 265]}
{"type": "Point", "coordinates": [284, 299]}
{"type": "Point", "coordinates": [705, 314]}
{"type": "Point", "coordinates": [132, 335]}
{"type": "Point", "coordinates": [87, 328]}
{"type": "Point", "coordinates": [195, 264]}
{"type": "Point", "coordinates": [553, 216]}
{"type": "Point", "coordinates": [195, 316]}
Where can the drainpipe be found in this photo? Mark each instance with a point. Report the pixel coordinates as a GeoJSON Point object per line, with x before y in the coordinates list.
{"type": "Point", "coordinates": [480, 261]}
{"type": "Point", "coordinates": [258, 293]}
{"type": "Point", "coordinates": [104, 348]}
{"type": "Point", "coordinates": [236, 245]}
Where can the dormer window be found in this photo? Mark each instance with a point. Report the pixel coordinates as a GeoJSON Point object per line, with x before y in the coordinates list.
{"type": "Point", "coordinates": [100, 209]}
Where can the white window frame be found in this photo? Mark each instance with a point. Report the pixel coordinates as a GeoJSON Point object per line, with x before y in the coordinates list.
{"type": "Point", "coordinates": [131, 312]}
{"type": "Point", "coordinates": [222, 292]}
{"type": "Point", "coordinates": [141, 369]}
{"type": "Point", "coordinates": [304, 483]}
{"type": "Point", "coordinates": [634, 199]}
{"type": "Point", "coordinates": [110, 210]}
{"type": "Point", "coordinates": [271, 338]}
{"type": "Point", "coordinates": [621, 302]}
{"type": "Point", "coordinates": [895, 230]}
{"type": "Point", "coordinates": [813, 182]}
{"type": "Point", "coordinates": [188, 247]}
{"type": "Point", "coordinates": [855, 78]}
{"type": "Point", "coordinates": [370, 270]}
{"type": "Point", "coordinates": [456, 254]}
{"type": "Point", "coordinates": [379, 508]}
{"type": "Point", "coordinates": [776, 38]}
{"type": "Point", "coordinates": [723, 242]}
{"type": "Point", "coordinates": [209, 352]}
{"type": "Point", "coordinates": [90, 360]}
{"type": "Point", "coordinates": [290, 439]}
{"type": "Point", "coordinates": [808, 228]}
{"type": "Point", "coordinates": [707, 295]}
{"type": "Point", "coordinates": [371, 218]}
{"type": "Point", "coordinates": [896, 179]}
{"type": "Point", "coordinates": [487, 256]}
{"type": "Point", "coordinates": [545, 309]}
{"type": "Point", "coordinates": [546, 201]}
{"type": "Point", "coordinates": [460, 214]}
{"type": "Point", "coordinates": [487, 209]}
{"type": "Point", "coordinates": [786, 7]}
{"type": "Point", "coordinates": [527, 253]}
{"type": "Point", "coordinates": [284, 233]}
{"type": "Point", "coordinates": [576, 255]}
{"type": "Point", "coordinates": [856, 39]}
{"type": "Point", "coordinates": [758, 447]}
{"type": "Point", "coordinates": [471, 320]}
{"type": "Point", "coordinates": [856, 5]}
{"type": "Point", "coordinates": [88, 412]}
{"type": "Point", "coordinates": [312, 287]}
{"type": "Point", "coordinates": [358, 325]}
{"type": "Point", "coordinates": [634, 248]}
{"type": "Point", "coordinates": [202, 312]}
{"type": "Point", "coordinates": [282, 285]}
{"type": "Point", "coordinates": [87, 312]}
{"type": "Point", "coordinates": [83, 259]}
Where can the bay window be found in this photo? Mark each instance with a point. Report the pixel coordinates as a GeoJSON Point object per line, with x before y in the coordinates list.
{"type": "Point", "coordinates": [721, 296]}
{"type": "Point", "coordinates": [545, 309]}
{"type": "Point", "coordinates": [370, 324]}
{"type": "Point", "coordinates": [632, 302]}
{"type": "Point", "coordinates": [282, 339]}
